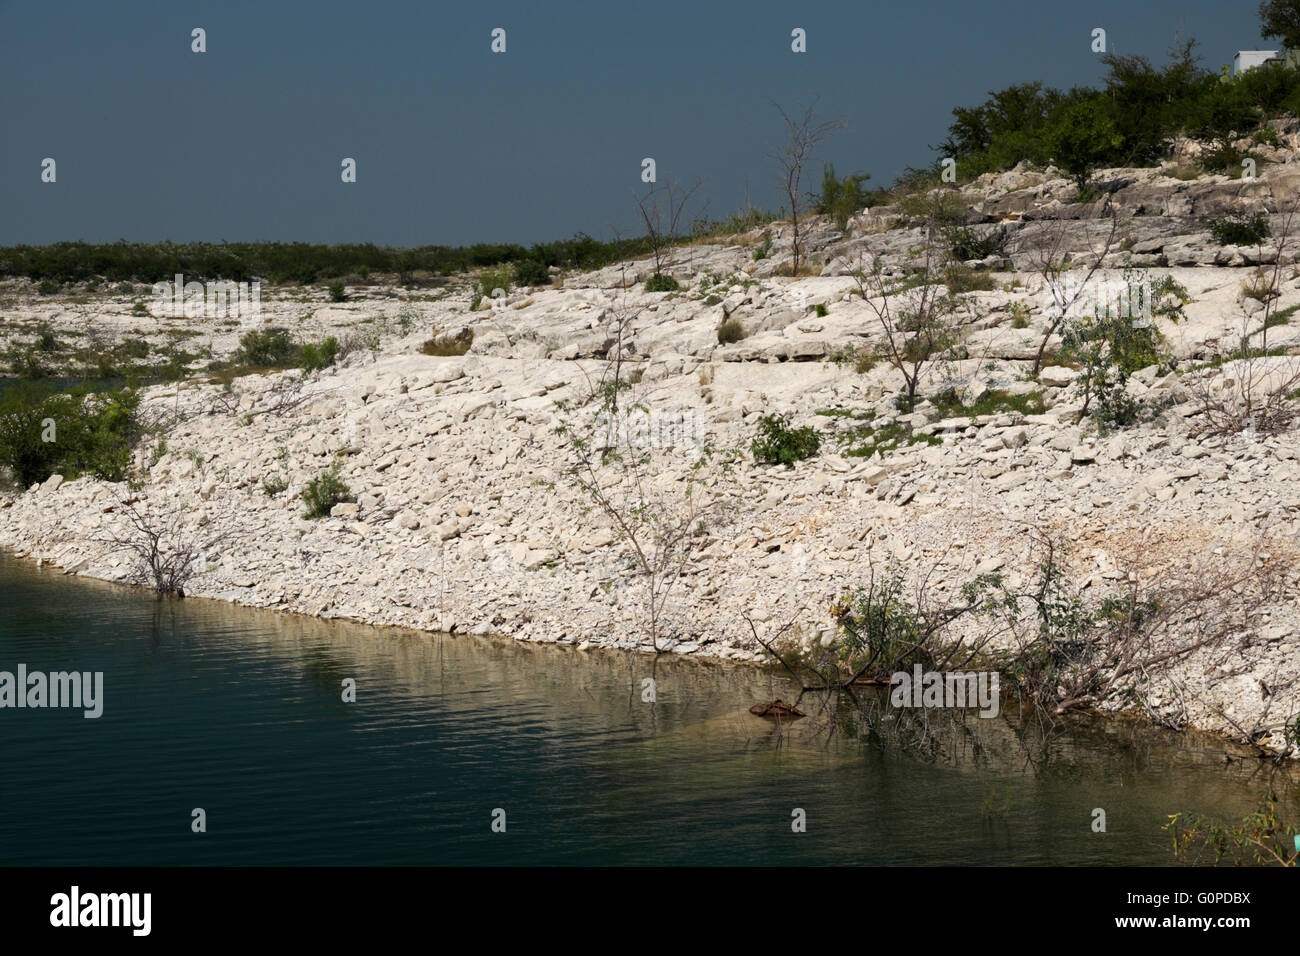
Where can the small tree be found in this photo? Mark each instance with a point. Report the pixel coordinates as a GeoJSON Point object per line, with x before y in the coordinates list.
{"type": "Point", "coordinates": [803, 136]}
{"type": "Point", "coordinates": [918, 315]}
{"type": "Point", "coordinates": [661, 211]}
{"type": "Point", "coordinates": [1082, 138]}
{"type": "Point", "coordinates": [1067, 282]}
{"type": "Point", "coordinates": [661, 500]}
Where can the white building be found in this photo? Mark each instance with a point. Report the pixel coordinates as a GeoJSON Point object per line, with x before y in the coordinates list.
{"type": "Point", "coordinates": [1249, 59]}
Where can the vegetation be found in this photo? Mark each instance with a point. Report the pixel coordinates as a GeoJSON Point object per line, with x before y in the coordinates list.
{"type": "Point", "coordinates": [1240, 230]}
{"type": "Point", "coordinates": [730, 331]}
{"type": "Point", "coordinates": [841, 198]}
{"type": "Point", "coordinates": [444, 345]}
{"type": "Point", "coordinates": [300, 262]}
{"type": "Point", "coordinates": [1126, 123]}
{"type": "Point", "coordinates": [777, 443]}
{"type": "Point", "coordinates": [76, 433]}
{"type": "Point", "coordinates": [1263, 837]}
{"type": "Point", "coordinates": [661, 283]}
{"type": "Point", "coordinates": [323, 492]}
{"type": "Point", "coordinates": [803, 136]}
{"type": "Point", "coordinates": [320, 355]}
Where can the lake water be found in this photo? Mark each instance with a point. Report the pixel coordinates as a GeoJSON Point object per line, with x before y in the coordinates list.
{"type": "Point", "coordinates": [240, 712]}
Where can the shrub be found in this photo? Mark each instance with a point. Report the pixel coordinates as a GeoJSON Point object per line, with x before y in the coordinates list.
{"type": "Point", "coordinates": [661, 283]}
{"type": "Point", "coordinates": [730, 331]}
{"type": "Point", "coordinates": [1222, 158]}
{"type": "Point", "coordinates": [965, 243]}
{"type": "Point", "coordinates": [1240, 230]}
{"type": "Point", "coordinates": [958, 278]}
{"type": "Point", "coordinates": [72, 434]}
{"type": "Point", "coordinates": [881, 625]}
{"type": "Point", "coordinates": [841, 198]}
{"type": "Point", "coordinates": [532, 272]}
{"type": "Point", "coordinates": [494, 279]}
{"type": "Point", "coordinates": [316, 356]}
{"type": "Point", "coordinates": [1265, 136]}
{"type": "Point", "coordinates": [267, 348]}
{"type": "Point", "coordinates": [337, 292]}
{"type": "Point", "coordinates": [444, 345]}
{"type": "Point", "coordinates": [274, 485]}
{"type": "Point", "coordinates": [821, 310]}
{"type": "Point", "coordinates": [778, 443]}
{"type": "Point", "coordinates": [48, 287]}
{"type": "Point", "coordinates": [323, 492]}
{"type": "Point", "coordinates": [45, 340]}
{"type": "Point", "coordinates": [1083, 136]}
{"type": "Point", "coordinates": [764, 248]}
{"type": "Point", "coordinates": [132, 348]}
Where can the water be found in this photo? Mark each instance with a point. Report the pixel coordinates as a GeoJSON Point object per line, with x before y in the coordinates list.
{"type": "Point", "coordinates": [239, 712]}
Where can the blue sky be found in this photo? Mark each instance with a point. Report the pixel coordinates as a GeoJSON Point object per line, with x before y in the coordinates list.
{"type": "Point", "coordinates": [455, 144]}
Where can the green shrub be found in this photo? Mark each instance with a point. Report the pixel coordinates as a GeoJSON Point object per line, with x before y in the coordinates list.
{"type": "Point", "coordinates": [1222, 158]}
{"type": "Point", "coordinates": [316, 356]}
{"type": "Point", "coordinates": [821, 310]}
{"type": "Point", "coordinates": [337, 292]}
{"type": "Point", "coordinates": [841, 198]}
{"type": "Point", "coordinates": [764, 248]}
{"type": "Point", "coordinates": [965, 243]}
{"type": "Point", "coordinates": [1265, 136]}
{"type": "Point", "coordinates": [76, 433]}
{"type": "Point", "coordinates": [778, 443]}
{"type": "Point", "coordinates": [132, 349]}
{"type": "Point", "coordinates": [444, 345]}
{"type": "Point", "coordinates": [881, 625]}
{"type": "Point", "coordinates": [730, 332]}
{"type": "Point", "coordinates": [323, 492]}
{"type": "Point", "coordinates": [48, 286]}
{"type": "Point", "coordinates": [265, 348]}
{"type": "Point", "coordinates": [532, 272]}
{"type": "Point", "coordinates": [45, 340]}
{"type": "Point", "coordinates": [1240, 230]}
{"type": "Point", "coordinates": [494, 279]}
{"type": "Point", "coordinates": [661, 283]}
{"type": "Point", "coordinates": [274, 485]}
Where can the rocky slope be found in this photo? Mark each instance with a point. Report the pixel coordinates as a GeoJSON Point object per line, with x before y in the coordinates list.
{"type": "Point", "coordinates": [463, 517]}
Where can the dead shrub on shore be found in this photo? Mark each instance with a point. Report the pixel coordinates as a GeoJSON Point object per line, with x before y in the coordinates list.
{"type": "Point", "coordinates": [164, 548]}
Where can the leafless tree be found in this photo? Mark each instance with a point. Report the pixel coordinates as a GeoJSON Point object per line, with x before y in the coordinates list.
{"type": "Point", "coordinates": [662, 208]}
{"type": "Point", "coordinates": [803, 136]}
{"type": "Point", "coordinates": [1062, 277]}
{"type": "Point", "coordinates": [919, 316]}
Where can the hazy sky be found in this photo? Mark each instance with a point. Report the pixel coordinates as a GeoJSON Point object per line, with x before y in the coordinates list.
{"type": "Point", "coordinates": [455, 144]}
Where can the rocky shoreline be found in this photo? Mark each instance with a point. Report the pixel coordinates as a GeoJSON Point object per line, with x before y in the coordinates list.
{"type": "Point", "coordinates": [462, 518]}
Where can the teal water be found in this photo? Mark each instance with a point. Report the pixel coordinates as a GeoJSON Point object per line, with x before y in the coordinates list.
{"type": "Point", "coordinates": [239, 712]}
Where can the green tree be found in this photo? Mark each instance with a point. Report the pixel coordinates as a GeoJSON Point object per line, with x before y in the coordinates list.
{"type": "Point", "coordinates": [1281, 19]}
{"type": "Point", "coordinates": [1083, 137]}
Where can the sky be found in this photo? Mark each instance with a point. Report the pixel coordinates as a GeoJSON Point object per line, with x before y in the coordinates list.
{"type": "Point", "coordinates": [456, 144]}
